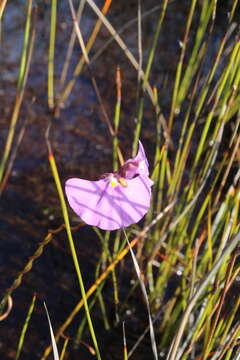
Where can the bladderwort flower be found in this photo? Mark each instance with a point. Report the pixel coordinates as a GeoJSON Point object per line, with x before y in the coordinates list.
{"type": "Point", "coordinates": [118, 199]}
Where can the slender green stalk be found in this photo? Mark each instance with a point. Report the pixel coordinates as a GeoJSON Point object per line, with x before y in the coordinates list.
{"type": "Point", "coordinates": [73, 251]}
{"type": "Point", "coordinates": [210, 116]}
{"type": "Point", "coordinates": [25, 327]}
{"type": "Point", "coordinates": [174, 107]}
{"type": "Point", "coordinates": [117, 120]}
{"type": "Point", "coordinates": [146, 76]}
{"type": "Point", "coordinates": [22, 79]}
{"type": "Point", "coordinates": [25, 46]}
{"type": "Point", "coordinates": [51, 53]}
{"type": "Point", "coordinates": [64, 348]}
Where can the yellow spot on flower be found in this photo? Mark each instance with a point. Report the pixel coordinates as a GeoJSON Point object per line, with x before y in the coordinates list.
{"type": "Point", "coordinates": [114, 182]}
{"type": "Point", "coordinates": [123, 182]}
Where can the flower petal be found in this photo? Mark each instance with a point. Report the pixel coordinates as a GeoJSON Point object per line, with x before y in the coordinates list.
{"type": "Point", "coordinates": [110, 208]}
{"type": "Point", "coordinates": [138, 165]}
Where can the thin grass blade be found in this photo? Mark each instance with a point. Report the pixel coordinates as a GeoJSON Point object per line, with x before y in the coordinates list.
{"type": "Point", "coordinates": [144, 291]}
{"type": "Point", "coordinates": [54, 345]}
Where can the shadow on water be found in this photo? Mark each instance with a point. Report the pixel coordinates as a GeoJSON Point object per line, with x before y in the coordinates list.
{"type": "Point", "coordinates": [29, 205]}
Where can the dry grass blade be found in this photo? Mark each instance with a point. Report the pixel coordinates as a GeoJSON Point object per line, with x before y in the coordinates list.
{"type": "Point", "coordinates": [2, 7]}
{"type": "Point", "coordinates": [85, 55]}
{"type": "Point", "coordinates": [54, 345]}
{"type": "Point", "coordinates": [68, 88]}
{"type": "Point", "coordinates": [144, 291]}
{"type": "Point", "coordinates": [145, 14]}
{"type": "Point", "coordinates": [133, 61]}
{"type": "Point", "coordinates": [70, 47]}
{"type": "Point", "coordinates": [125, 354]}
{"type": "Point", "coordinates": [19, 96]}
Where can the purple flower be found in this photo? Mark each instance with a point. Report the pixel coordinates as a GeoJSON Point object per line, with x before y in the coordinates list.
{"type": "Point", "coordinates": [118, 199]}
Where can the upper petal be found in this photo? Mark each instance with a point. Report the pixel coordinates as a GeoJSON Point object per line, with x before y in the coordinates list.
{"type": "Point", "coordinates": [137, 165]}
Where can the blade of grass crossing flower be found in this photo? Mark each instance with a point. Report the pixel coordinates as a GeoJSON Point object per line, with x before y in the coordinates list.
{"type": "Point", "coordinates": [25, 327]}
{"type": "Point", "coordinates": [73, 251]}
{"type": "Point", "coordinates": [51, 54]}
{"type": "Point", "coordinates": [54, 345]}
{"type": "Point", "coordinates": [144, 291]}
{"type": "Point", "coordinates": [117, 119]}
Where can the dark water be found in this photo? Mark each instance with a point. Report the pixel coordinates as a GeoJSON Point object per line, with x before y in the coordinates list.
{"type": "Point", "coordinates": [82, 145]}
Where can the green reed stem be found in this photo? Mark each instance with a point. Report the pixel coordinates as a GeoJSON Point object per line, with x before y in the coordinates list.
{"type": "Point", "coordinates": [73, 250]}
{"type": "Point", "coordinates": [174, 106]}
{"type": "Point", "coordinates": [195, 58]}
{"type": "Point", "coordinates": [22, 79]}
{"type": "Point", "coordinates": [25, 46]}
{"type": "Point", "coordinates": [25, 327]}
{"type": "Point", "coordinates": [66, 341]}
{"type": "Point", "coordinates": [117, 119]}
{"type": "Point", "coordinates": [51, 54]}
{"type": "Point", "coordinates": [219, 92]}
{"type": "Point", "coordinates": [146, 76]}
